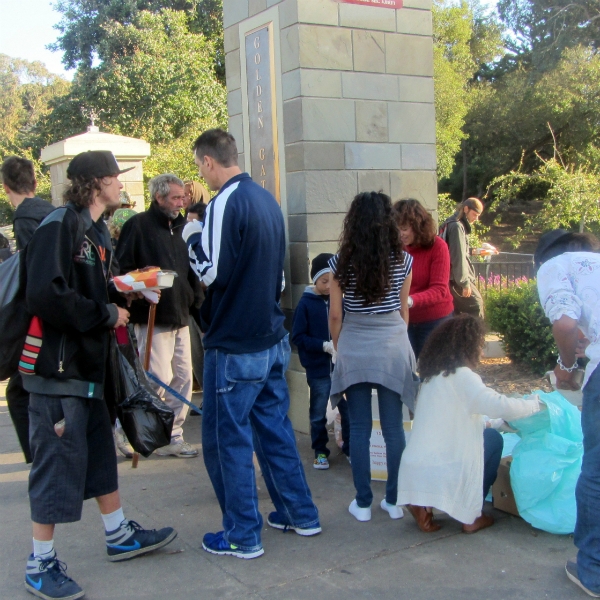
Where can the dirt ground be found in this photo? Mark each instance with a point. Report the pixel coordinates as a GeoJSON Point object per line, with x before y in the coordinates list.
{"type": "Point", "coordinates": [507, 377]}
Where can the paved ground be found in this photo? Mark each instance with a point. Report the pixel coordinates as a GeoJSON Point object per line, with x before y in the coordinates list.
{"type": "Point", "coordinates": [350, 560]}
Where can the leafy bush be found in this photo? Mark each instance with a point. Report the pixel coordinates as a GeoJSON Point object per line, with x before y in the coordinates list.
{"type": "Point", "coordinates": [516, 315]}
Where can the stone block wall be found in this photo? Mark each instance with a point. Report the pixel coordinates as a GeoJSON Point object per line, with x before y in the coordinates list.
{"type": "Point", "coordinates": [355, 84]}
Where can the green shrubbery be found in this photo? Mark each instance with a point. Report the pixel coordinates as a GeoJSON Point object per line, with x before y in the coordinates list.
{"type": "Point", "coordinates": [516, 315]}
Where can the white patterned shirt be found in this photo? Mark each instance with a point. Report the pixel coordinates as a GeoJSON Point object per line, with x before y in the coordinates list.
{"type": "Point", "coordinates": [569, 284]}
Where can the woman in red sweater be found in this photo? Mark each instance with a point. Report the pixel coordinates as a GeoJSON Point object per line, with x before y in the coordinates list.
{"type": "Point", "coordinates": [430, 301]}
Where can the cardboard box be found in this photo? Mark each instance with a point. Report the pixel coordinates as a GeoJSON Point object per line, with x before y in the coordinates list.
{"type": "Point", "coordinates": [502, 493]}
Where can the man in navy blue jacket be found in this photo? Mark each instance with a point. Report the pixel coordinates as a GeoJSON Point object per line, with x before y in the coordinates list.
{"type": "Point", "coordinates": [238, 255]}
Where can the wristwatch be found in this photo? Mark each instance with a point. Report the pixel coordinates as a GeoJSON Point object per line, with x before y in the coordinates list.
{"type": "Point", "coordinates": [410, 302]}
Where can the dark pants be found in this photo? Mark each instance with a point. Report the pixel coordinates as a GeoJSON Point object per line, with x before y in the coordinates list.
{"type": "Point", "coordinates": [18, 407]}
{"type": "Point", "coordinates": [197, 352]}
{"type": "Point", "coordinates": [587, 491]}
{"type": "Point", "coordinates": [473, 305]}
{"type": "Point", "coordinates": [419, 332]}
{"type": "Point", "coordinates": [319, 397]}
{"type": "Point", "coordinates": [72, 466]}
{"type": "Point", "coordinates": [361, 425]}
{"type": "Point", "coordinates": [493, 444]}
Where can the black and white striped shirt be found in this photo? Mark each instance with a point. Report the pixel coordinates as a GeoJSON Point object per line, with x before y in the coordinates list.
{"type": "Point", "coordinates": [355, 303]}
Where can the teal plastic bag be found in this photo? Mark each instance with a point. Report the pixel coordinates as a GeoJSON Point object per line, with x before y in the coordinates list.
{"type": "Point", "coordinates": [546, 464]}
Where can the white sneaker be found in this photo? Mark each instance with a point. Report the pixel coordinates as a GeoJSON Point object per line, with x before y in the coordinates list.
{"type": "Point", "coordinates": [394, 511]}
{"type": "Point", "coordinates": [180, 449]}
{"type": "Point", "coordinates": [360, 514]}
{"type": "Point", "coordinates": [122, 443]}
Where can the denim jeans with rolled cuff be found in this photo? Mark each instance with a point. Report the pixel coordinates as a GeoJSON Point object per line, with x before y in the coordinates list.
{"type": "Point", "coordinates": [358, 397]}
{"type": "Point", "coordinates": [587, 491]}
{"type": "Point", "coordinates": [246, 403]}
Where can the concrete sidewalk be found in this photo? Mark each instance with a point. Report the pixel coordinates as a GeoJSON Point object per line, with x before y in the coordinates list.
{"type": "Point", "coordinates": [380, 559]}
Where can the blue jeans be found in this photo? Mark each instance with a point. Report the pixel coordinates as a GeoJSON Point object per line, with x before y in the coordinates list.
{"type": "Point", "coordinates": [246, 401]}
{"type": "Point", "coordinates": [361, 424]}
{"type": "Point", "coordinates": [419, 332]}
{"type": "Point", "coordinates": [587, 492]}
{"type": "Point", "coordinates": [319, 397]}
{"type": "Point", "coordinates": [493, 444]}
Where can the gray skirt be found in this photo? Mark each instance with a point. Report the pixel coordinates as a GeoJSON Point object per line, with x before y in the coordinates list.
{"type": "Point", "coordinates": [374, 348]}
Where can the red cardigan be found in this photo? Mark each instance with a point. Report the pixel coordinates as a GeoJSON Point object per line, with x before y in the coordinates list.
{"type": "Point", "coordinates": [429, 288]}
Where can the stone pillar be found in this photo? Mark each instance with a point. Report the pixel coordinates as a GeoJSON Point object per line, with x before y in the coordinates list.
{"type": "Point", "coordinates": [129, 152]}
{"type": "Point", "coordinates": [349, 93]}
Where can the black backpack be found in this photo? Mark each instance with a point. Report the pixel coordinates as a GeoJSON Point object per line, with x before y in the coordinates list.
{"type": "Point", "coordinates": [14, 316]}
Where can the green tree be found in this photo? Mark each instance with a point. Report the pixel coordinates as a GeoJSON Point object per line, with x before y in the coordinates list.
{"type": "Point", "coordinates": [83, 28]}
{"type": "Point", "coordinates": [26, 92]}
{"type": "Point", "coordinates": [464, 38]}
{"type": "Point", "coordinates": [154, 81]}
{"type": "Point", "coordinates": [570, 196]}
{"type": "Point", "coordinates": [543, 29]}
{"type": "Point", "coordinates": [515, 121]}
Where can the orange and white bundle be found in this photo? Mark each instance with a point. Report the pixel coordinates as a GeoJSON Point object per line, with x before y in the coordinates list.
{"type": "Point", "coordinates": [148, 278]}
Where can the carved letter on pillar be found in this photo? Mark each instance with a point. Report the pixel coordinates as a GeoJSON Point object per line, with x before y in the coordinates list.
{"type": "Point", "coordinates": [262, 109]}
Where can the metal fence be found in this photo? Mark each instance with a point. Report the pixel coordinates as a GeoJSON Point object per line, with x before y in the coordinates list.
{"type": "Point", "coordinates": [502, 274]}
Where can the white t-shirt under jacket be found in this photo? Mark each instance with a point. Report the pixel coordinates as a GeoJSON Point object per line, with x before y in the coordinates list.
{"type": "Point", "coordinates": [442, 465]}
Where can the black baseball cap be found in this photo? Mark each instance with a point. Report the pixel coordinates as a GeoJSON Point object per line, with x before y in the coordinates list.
{"type": "Point", "coordinates": [546, 242]}
{"type": "Point", "coordinates": [95, 163]}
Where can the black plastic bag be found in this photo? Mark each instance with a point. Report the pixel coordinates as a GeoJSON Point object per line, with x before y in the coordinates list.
{"type": "Point", "coordinates": [146, 420]}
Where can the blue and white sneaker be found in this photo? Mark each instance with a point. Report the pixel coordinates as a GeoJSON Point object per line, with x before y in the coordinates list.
{"type": "Point", "coordinates": [276, 521]}
{"type": "Point", "coordinates": [130, 540]}
{"type": "Point", "coordinates": [321, 462]}
{"type": "Point", "coordinates": [215, 543]}
{"type": "Point", "coordinates": [47, 578]}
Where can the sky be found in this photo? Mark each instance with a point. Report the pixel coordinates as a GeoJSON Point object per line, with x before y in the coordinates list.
{"type": "Point", "coordinates": [26, 28]}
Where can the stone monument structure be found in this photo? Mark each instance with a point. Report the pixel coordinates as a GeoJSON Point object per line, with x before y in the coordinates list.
{"type": "Point", "coordinates": [130, 152]}
{"type": "Point", "coordinates": [327, 99]}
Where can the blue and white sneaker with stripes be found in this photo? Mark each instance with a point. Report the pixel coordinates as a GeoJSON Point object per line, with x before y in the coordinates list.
{"type": "Point", "coordinates": [130, 540]}
{"type": "Point", "coordinates": [47, 578]}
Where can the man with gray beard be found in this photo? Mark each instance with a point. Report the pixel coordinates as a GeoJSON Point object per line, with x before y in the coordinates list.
{"type": "Point", "coordinates": [153, 239]}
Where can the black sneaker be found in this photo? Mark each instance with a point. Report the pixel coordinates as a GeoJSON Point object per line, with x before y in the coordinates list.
{"type": "Point", "coordinates": [48, 579]}
{"type": "Point", "coordinates": [131, 540]}
{"type": "Point", "coordinates": [571, 570]}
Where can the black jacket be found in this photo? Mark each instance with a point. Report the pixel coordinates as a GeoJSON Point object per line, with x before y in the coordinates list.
{"type": "Point", "coordinates": [28, 215]}
{"type": "Point", "coordinates": [68, 289]}
{"type": "Point", "coordinates": [151, 239]}
{"type": "Point", "coordinates": [310, 329]}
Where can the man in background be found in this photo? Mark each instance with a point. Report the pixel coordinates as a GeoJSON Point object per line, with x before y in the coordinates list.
{"type": "Point", "coordinates": [455, 232]}
{"type": "Point", "coordinates": [19, 183]}
{"type": "Point", "coordinates": [153, 239]}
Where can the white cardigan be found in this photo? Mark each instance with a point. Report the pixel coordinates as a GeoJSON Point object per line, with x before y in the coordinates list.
{"type": "Point", "coordinates": [442, 465]}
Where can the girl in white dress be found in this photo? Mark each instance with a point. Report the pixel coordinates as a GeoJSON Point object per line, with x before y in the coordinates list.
{"type": "Point", "coordinates": [451, 458]}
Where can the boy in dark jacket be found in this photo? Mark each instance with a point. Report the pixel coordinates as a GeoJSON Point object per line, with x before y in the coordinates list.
{"type": "Point", "coordinates": [310, 333]}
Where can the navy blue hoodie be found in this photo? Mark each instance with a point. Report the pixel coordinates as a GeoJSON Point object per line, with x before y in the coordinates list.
{"type": "Point", "coordinates": [309, 330]}
{"type": "Point", "coordinates": [239, 257]}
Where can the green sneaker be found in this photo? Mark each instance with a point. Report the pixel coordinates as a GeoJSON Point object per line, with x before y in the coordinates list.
{"type": "Point", "coordinates": [321, 462]}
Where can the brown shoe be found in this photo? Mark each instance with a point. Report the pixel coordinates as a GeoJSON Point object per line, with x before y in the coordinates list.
{"type": "Point", "coordinates": [480, 523]}
{"type": "Point", "coordinates": [423, 518]}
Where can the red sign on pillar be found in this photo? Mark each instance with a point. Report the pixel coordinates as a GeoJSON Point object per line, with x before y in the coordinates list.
{"type": "Point", "coordinates": [380, 3]}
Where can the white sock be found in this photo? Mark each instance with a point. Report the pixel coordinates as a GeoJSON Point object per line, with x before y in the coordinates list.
{"type": "Point", "coordinates": [113, 520]}
{"type": "Point", "coordinates": [43, 549]}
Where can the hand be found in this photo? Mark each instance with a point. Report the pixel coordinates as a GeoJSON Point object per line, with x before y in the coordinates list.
{"type": "Point", "coordinates": [466, 291]}
{"type": "Point", "coordinates": [565, 380]}
{"type": "Point", "coordinates": [123, 317]}
{"type": "Point", "coordinates": [191, 228]}
{"type": "Point", "coordinates": [328, 347]}
{"type": "Point", "coordinates": [582, 344]}
{"type": "Point", "coordinates": [131, 296]}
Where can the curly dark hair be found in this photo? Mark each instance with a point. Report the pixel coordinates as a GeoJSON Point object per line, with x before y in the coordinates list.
{"type": "Point", "coordinates": [455, 343]}
{"type": "Point", "coordinates": [81, 191]}
{"type": "Point", "coordinates": [369, 245]}
{"type": "Point", "coordinates": [411, 213]}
